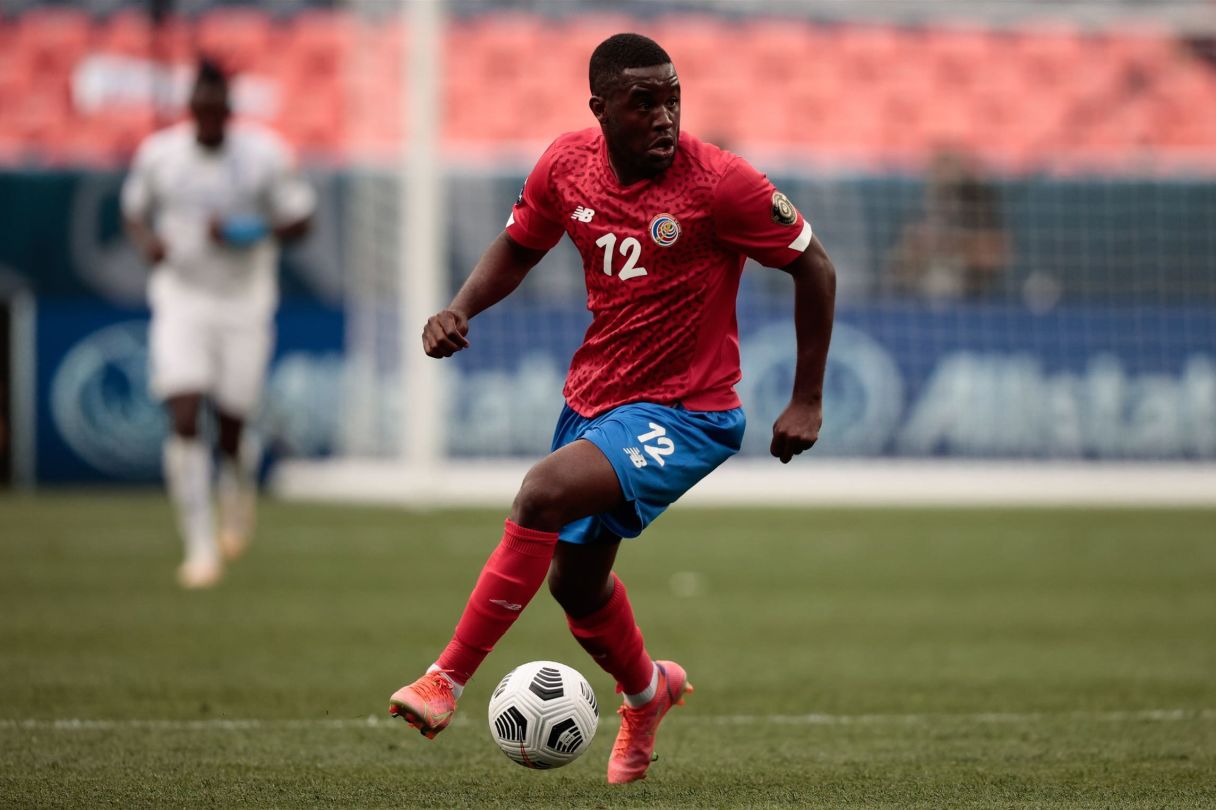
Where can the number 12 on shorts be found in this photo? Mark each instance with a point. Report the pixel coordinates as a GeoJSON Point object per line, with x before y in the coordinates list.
{"type": "Point", "coordinates": [663, 446]}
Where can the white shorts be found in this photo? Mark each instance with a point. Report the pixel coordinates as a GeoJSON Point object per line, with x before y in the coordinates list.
{"type": "Point", "coordinates": [196, 346]}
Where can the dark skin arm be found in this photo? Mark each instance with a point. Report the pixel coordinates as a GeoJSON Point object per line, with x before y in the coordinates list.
{"type": "Point", "coordinates": [149, 244]}
{"type": "Point", "coordinates": [499, 271]}
{"type": "Point", "coordinates": [797, 428]}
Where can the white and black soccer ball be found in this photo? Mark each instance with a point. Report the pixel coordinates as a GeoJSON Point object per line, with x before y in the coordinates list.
{"type": "Point", "coordinates": [543, 714]}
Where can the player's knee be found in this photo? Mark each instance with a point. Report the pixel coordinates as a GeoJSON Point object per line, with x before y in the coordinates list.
{"type": "Point", "coordinates": [539, 504]}
{"type": "Point", "coordinates": [185, 426]}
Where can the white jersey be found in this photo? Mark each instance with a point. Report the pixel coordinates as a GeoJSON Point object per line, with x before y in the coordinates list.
{"type": "Point", "coordinates": [180, 187]}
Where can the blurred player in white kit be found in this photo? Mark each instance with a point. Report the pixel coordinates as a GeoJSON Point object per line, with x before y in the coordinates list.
{"type": "Point", "coordinates": [207, 204]}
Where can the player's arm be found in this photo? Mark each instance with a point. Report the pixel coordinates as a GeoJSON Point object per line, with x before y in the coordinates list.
{"type": "Point", "coordinates": [137, 201]}
{"type": "Point", "coordinates": [499, 271]}
{"type": "Point", "coordinates": [291, 231]}
{"type": "Point", "coordinates": [532, 230]}
{"type": "Point", "coordinates": [751, 216]}
{"type": "Point", "coordinates": [797, 428]}
{"type": "Point", "coordinates": [150, 246]}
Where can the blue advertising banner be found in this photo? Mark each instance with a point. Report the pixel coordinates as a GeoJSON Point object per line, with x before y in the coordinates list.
{"type": "Point", "coordinates": [904, 380]}
{"type": "Point", "coordinates": [95, 420]}
{"type": "Point", "coordinates": [917, 380]}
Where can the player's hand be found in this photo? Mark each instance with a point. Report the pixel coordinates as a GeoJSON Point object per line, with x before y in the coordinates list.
{"type": "Point", "coordinates": [444, 334]}
{"type": "Point", "coordinates": [796, 429]}
{"type": "Point", "coordinates": [154, 250]}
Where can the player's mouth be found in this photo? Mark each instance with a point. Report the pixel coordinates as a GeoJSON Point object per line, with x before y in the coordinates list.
{"type": "Point", "coordinates": [662, 148]}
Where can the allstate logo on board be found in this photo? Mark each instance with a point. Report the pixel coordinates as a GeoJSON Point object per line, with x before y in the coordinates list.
{"type": "Point", "coordinates": [664, 230]}
{"type": "Point", "coordinates": [100, 404]}
{"type": "Point", "coordinates": [863, 388]}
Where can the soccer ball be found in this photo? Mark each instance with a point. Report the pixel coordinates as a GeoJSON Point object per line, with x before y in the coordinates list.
{"type": "Point", "coordinates": [543, 714]}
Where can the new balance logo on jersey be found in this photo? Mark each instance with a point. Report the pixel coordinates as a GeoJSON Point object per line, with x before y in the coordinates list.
{"type": "Point", "coordinates": [503, 603]}
{"type": "Point", "coordinates": [583, 214]}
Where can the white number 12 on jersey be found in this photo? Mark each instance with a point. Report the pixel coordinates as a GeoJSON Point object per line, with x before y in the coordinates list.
{"type": "Point", "coordinates": [631, 249]}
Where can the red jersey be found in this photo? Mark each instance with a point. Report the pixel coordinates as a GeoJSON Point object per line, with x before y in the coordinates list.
{"type": "Point", "coordinates": [662, 259]}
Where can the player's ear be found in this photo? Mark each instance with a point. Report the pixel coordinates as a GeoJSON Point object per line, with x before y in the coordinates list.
{"type": "Point", "coordinates": [596, 103]}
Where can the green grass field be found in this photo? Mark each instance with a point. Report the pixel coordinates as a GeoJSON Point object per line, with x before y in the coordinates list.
{"type": "Point", "coordinates": [863, 658]}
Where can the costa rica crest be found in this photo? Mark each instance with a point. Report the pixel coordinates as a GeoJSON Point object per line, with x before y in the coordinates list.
{"type": "Point", "coordinates": [664, 230]}
{"type": "Point", "coordinates": [784, 212]}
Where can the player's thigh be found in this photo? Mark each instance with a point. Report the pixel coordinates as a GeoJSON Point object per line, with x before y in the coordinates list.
{"type": "Point", "coordinates": [572, 482]}
{"type": "Point", "coordinates": [243, 357]}
{"type": "Point", "coordinates": [181, 355]}
{"type": "Point", "coordinates": [659, 453]}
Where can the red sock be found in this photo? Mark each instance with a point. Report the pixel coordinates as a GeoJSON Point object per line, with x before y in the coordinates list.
{"type": "Point", "coordinates": [615, 641]}
{"type": "Point", "coordinates": [508, 581]}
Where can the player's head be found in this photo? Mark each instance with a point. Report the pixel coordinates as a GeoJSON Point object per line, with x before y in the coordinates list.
{"type": "Point", "coordinates": [635, 95]}
{"type": "Point", "coordinates": [209, 103]}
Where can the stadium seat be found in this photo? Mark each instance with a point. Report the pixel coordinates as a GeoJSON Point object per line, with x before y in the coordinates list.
{"type": "Point", "coordinates": [53, 39]}
{"type": "Point", "coordinates": [777, 50]}
{"type": "Point", "coordinates": [696, 44]}
{"type": "Point", "coordinates": [128, 33]}
{"type": "Point", "coordinates": [579, 35]}
{"type": "Point", "coordinates": [318, 43]}
{"type": "Point", "coordinates": [37, 115]}
{"type": "Point", "coordinates": [312, 116]}
{"type": "Point", "coordinates": [235, 36]}
{"type": "Point", "coordinates": [109, 137]}
{"type": "Point", "coordinates": [1049, 54]}
{"type": "Point", "coordinates": [868, 52]}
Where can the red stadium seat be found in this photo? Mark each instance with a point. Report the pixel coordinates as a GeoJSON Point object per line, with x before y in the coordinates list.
{"type": "Point", "coordinates": [867, 52]}
{"type": "Point", "coordinates": [579, 36]}
{"type": "Point", "coordinates": [109, 137]}
{"type": "Point", "coordinates": [235, 37]}
{"type": "Point", "coordinates": [777, 50]}
{"type": "Point", "coordinates": [312, 115]}
{"type": "Point", "coordinates": [1049, 54]}
{"type": "Point", "coordinates": [696, 44]}
{"type": "Point", "coordinates": [318, 44]}
{"type": "Point", "coordinates": [53, 39]}
{"type": "Point", "coordinates": [128, 33]}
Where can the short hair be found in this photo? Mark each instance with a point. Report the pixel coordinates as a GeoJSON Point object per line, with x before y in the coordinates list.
{"type": "Point", "coordinates": [619, 53]}
{"type": "Point", "coordinates": [211, 74]}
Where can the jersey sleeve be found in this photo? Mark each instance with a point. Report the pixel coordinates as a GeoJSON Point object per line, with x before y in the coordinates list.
{"type": "Point", "coordinates": [753, 217]}
{"type": "Point", "coordinates": [289, 196]}
{"type": "Point", "coordinates": [137, 197]}
{"type": "Point", "coordinates": [534, 223]}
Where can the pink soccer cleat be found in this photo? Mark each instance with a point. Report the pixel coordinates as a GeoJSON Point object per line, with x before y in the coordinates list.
{"type": "Point", "coordinates": [634, 747]}
{"type": "Point", "coordinates": [427, 704]}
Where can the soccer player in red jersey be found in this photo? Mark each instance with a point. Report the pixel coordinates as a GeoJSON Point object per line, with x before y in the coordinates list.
{"type": "Point", "coordinates": [664, 223]}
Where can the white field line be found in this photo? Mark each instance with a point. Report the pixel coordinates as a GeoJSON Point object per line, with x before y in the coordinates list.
{"type": "Point", "coordinates": [232, 724]}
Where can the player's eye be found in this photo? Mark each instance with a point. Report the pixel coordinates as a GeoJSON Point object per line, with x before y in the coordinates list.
{"type": "Point", "coordinates": [673, 102]}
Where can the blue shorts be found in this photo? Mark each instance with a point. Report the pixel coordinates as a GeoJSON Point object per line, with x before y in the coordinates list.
{"type": "Point", "coordinates": [658, 454]}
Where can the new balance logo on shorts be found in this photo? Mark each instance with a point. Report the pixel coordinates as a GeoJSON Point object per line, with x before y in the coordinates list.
{"type": "Point", "coordinates": [583, 214]}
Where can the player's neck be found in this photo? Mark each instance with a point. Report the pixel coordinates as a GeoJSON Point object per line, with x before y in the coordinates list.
{"type": "Point", "coordinates": [211, 146]}
{"type": "Point", "coordinates": [626, 174]}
